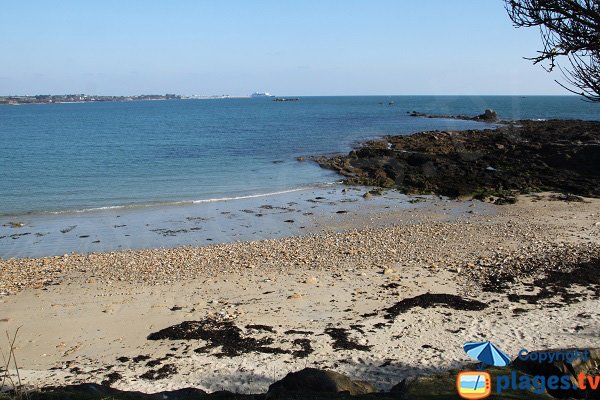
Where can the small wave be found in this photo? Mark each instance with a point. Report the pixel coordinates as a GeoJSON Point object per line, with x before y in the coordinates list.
{"type": "Point", "coordinates": [119, 207]}
{"type": "Point", "coordinates": [253, 196]}
{"type": "Point", "coordinates": [189, 202]}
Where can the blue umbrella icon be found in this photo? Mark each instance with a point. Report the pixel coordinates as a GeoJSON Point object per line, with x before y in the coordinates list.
{"type": "Point", "coordinates": [487, 353]}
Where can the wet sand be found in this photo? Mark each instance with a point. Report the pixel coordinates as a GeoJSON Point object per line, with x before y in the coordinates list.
{"type": "Point", "coordinates": [350, 295]}
{"type": "Point", "coordinates": [299, 212]}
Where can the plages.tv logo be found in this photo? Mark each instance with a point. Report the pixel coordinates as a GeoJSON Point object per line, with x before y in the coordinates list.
{"type": "Point", "coordinates": [475, 385]}
{"type": "Point", "coordinates": [478, 384]}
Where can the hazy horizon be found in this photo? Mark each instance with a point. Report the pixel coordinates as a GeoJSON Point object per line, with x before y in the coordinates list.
{"type": "Point", "coordinates": [216, 95]}
{"type": "Point", "coordinates": [234, 47]}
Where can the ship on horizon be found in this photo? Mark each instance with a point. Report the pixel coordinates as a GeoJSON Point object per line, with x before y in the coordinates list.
{"type": "Point", "coordinates": [261, 94]}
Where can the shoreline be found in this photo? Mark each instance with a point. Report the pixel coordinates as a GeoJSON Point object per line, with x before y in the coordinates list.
{"type": "Point", "coordinates": [412, 163]}
{"type": "Point", "coordinates": [81, 314]}
{"type": "Point", "coordinates": [297, 212]}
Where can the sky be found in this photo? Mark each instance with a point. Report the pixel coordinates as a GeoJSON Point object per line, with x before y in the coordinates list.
{"type": "Point", "coordinates": [286, 47]}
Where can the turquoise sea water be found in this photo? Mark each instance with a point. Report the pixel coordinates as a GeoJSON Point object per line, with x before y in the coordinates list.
{"type": "Point", "coordinates": [68, 157]}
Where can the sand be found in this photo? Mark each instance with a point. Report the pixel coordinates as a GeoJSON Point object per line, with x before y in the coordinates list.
{"type": "Point", "coordinates": [79, 314]}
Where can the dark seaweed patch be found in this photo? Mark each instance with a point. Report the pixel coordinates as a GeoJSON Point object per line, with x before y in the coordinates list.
{"type": "Point", "coordinates": [169, 232]}
{"type": "Point", "coordinates": [297, 332]}
{"type": "Point", "coordinates": [428, 300]}
{"type": "Point", "coordinates": [557, 283]}
{"type": "Point", "coordinates": [393, 285]}
{"type": "Point", "coordinates": [305, 348]}
{"type": "Point", "coordinates": [222, 334]}
{"type": "Point", "coordinates": [153, 363]}
{"type": "Point", "coordinates": [111, 378]}
{"type": "Point", "coordinates": [140, 358]}
{"type": "Point", "coordinates": [163, 372]}
{"type": "Point", "coordinates": [257, 327]}
{"type": "Point", "coordinates": [18, 235]}
{"type": "Point", "coordinates": [342, 341]}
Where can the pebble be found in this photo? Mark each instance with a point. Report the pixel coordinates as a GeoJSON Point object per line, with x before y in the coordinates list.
{"type": "Point", "coordinates": [448, 244]}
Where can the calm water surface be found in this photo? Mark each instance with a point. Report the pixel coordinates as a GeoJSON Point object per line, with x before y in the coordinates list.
{"type": "Point", "coordinates": [68, 157]}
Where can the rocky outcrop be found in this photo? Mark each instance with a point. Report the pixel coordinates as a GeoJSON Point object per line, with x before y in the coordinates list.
{"type": "Point", "coordinates": [312, 380]}
{"type": "Point", "coordinates": [487, 116]}
{"type": "Point", "coordinates": [560, 156]}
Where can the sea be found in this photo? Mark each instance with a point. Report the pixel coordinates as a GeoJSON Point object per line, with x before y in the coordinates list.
{"type": "Point", "coordinates": [73, 173]}
{"type": "Point", "coordinates": [77, 157]}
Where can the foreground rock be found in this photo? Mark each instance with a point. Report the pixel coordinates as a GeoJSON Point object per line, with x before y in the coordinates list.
{"type": "Point", "coordinates": [311, 380]}
{"type": "Point", "coordinates": [561, 156]}
{"type": "Point", "coordinates": [311, 383]}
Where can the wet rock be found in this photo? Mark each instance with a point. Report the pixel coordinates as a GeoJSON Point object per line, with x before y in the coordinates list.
{"type": "Point", "coordinates": [488, 115]}
{"type": "Point", "coordinates": [559, 156]}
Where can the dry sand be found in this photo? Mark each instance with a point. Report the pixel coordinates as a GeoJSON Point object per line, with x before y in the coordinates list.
{"type": "Point", "coordinates": [80, 314]}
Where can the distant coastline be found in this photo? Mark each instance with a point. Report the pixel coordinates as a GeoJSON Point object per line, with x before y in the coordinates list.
{"type": "Point", "coordinates": [85, 98]}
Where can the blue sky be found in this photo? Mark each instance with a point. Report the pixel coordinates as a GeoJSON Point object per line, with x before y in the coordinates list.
{"type": "Point", "coordinates": [300, 47]}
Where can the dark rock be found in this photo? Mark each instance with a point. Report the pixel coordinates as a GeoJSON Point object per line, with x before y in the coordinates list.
{"type": "Point", "coordinates": [567, 198]}
{"type": "Point", "coordinates": [489, 115]}
{"type": "Point", "coordinates": [311, 380]}
{"type": "Point", "coordinates": [559, 156]}
{"type": "Point", "coordinates": [93, 391]}
{"type": "Point", "coordinates": [181, 394]}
